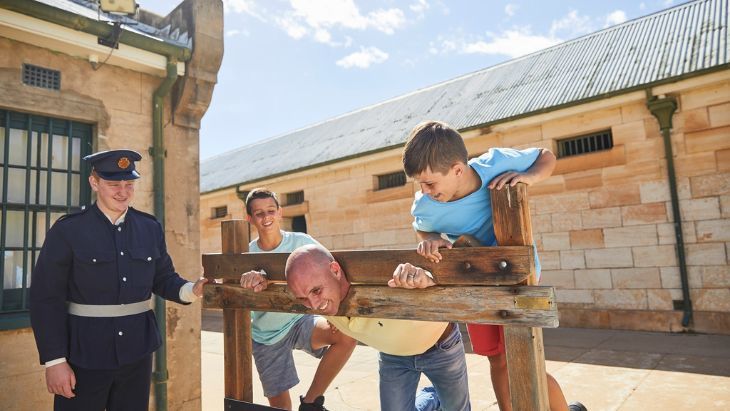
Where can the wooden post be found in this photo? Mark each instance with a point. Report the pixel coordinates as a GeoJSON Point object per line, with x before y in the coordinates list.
{"type": "Point", "coordinates": [237, 347]}
{"type": "Point", "coordinates": [524, 345]}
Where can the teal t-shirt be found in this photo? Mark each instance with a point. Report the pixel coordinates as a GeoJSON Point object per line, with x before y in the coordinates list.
{"type": "Point", "coordinates": [269, 327]}
{"type": "Point", "coordinates": [472, 214]}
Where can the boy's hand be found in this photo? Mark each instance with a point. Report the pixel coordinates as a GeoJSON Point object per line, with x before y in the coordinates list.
{"type": "Point", "coordinates": [409, 276]}
{"type": "Point", "coordinates": [511, 178]}
{"type": "Point", "coordinates": [255, 280]}
{"type": "Point", "coordinates": [430, 248]}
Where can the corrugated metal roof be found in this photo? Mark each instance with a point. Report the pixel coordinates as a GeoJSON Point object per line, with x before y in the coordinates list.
{"type": "Point", "coordinates": [90, 9]}
{"type": "Point", "coordinates": [685, 39]}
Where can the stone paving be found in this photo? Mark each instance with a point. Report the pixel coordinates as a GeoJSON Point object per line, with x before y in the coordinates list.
{"type": "Point", "coordinates": [606, 370]}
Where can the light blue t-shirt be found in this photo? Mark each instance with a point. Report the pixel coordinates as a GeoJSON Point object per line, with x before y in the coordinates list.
{"type": "Point", "coordinates": [472, 214]}
{"type": "Point", "coordinates": [269, 327]}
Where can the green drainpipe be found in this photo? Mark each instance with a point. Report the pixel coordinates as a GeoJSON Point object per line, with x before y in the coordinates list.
{"type": "Point", "coordinates": [663, 108]}
{"type": "Point", "coordinates": [157, 151]}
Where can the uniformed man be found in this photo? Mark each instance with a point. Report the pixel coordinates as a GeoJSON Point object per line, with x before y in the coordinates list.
{"type": "Point", "coordinates": [91, 291]}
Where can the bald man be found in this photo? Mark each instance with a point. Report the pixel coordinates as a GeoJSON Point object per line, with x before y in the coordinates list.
{"type": "Point", "coordinates": [407, 348]}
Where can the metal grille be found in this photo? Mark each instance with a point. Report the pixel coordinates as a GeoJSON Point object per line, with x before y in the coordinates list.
{"type": "Point", "coordinates": [585, 144]}
{"type": "Point", "coordinates": [296, 197]}
{"type": "Point", "coordinates": [41, 77]}
{"type": "Point", "coordinates": [42, 178]}
{"type": "Point", "coordinates": [396, 179]}
{"type": "Point", "coordinates": [220, 212]}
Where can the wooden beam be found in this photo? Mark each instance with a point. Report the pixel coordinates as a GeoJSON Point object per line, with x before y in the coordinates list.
{"type": "Point", "coordinates": [460, 266]}
{"type": "Point", "coordinates": [524, 346]}
{"type": "Point", "coordinates": [237, 348]}
{"type": "Point", "coordinates": [516, 305]}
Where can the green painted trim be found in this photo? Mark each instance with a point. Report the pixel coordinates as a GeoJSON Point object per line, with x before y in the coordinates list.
{"type": "Point", "coordinates": [14, 321]}
{"type": "Point", "coordinates": [94, 27]}
{"type": "Point", "coordinates": [492, 123]}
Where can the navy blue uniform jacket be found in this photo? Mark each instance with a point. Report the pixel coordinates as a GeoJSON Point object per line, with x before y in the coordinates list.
{"type": "Point", "coordinates": [87, 260]}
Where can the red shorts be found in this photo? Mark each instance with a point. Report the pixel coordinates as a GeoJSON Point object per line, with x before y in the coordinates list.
{"type": "Point", "coordinates": [486, 339]}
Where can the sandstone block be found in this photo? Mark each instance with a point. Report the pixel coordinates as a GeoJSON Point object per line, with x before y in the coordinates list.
{"type": "Point", "coordinates": [713, 230]}
{"type": "Point", "coordinates": [572, 259]}
{"type": "Point", "coordinates": [706, 254]}
{"type": "Point", "coordinates": [549, 260]}
{"type": "Point", "coordinates": [711, 299]}
{"type": "Point", "coordinates": [541, 223]}
{"type": "Point", "coordinates": [621, 299]}
{"type": "Point", "coordinates": [700, 209]}
{"type": "Point", "coordinates": [695, 164]}
{"type": "Point", "coordinates": [574, 296]}
{"type": "Point", "coordinates": [582, 239]}
{"type": "Point", "coordinates": [695, 119]}
{"type": "Point", "coordinates": [524, 135]}
{"type": "Point", "coordinates": [593, 279]}
{"type": "Point", "coordinates": [615, 196]}
{"type": "Point", "coordinates": [694, 276]}
{"type": "Point", "coordinates": [565, 221]}
{"type": "Point", "coordinates": [609, 257]}
{"type": "Point", "coordinates": [707, 140]}
{"type": "Point", "coordinates": [601, 217]}
{"type": "Point", "coordinates": [636, 277]}
{"type": "Point", "coordinates": [633, 173]}
{"type": "Point", "coordinates": [630, 236]}
{"type": "Point", "coordinates": [637, 151]}
{"type": "Point", "coordinates": [654, 191]}
{"type": "Point", "coordinates": [725, 206]}
{"type": "Point", "coordinates": [660, 299]}
{"type": "Point", "coordinates": [555, 184]}
{"type": "Point", "coordinates": [582, 180]}
{"type": "Point", "coordinates": [596, 160]}
{"type": "Point", "coordinates": [670, 277]}
{"type": "Point", "coordinates": [667, 236]}
{"type": "Point", "coordinates": [655, 256]}
{"type": "Point", "coordinates": [568, 202]}
{"type": "Point", "coordinates": [634, 111]}
{"type": "Point", "coordinates": [630, 132]}
{"type": "Point", "coordinates": [715, 94]}
{"type": "Point", "coordinates": [722, 159]}
{"type": "Point", "coordinates": [719, 115]}
{"type": "Point", "coordinates": [557, 278]}
{"type": "Point", "coordinates": [715, 276]}
{"type": "Point", "coordinates": [650, 213]}
{"type": "Point", "coordinates": [582, 123]}
{"type": "Point", "coordinates": [710, 185]}
{"type": "Point", "coordinates": [555, 241]}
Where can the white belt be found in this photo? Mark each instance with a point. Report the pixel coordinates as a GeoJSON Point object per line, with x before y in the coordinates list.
{"type": "Point", "coordinates": [119, 310]}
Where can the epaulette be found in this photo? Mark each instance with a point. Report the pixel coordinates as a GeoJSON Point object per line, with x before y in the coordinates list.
{"type": "Point", "coordinates": [74, 214]}
{"type": "Point", "coordinates": [142, 213]}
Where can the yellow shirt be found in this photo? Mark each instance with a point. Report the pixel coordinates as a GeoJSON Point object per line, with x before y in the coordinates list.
{"type": "Point", "coordinates": [394, 337]}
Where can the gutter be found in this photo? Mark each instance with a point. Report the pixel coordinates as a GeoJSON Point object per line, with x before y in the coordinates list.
{"type": "Point", "coordinates": [663, 108]}
{"type": "Point", "coordinates": [97, 28]}
{"type": "Point", "coordinates": [173, 53]}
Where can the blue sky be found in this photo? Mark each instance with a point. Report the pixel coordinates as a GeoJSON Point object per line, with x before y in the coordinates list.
{"type": "Point", "coordinates": [291, 64]}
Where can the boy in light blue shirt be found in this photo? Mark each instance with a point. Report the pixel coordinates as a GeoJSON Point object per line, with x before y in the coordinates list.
{"type": "Point", "coordinates": [454, 200]}
{"type": "Point", "coordinates": [274, 334]}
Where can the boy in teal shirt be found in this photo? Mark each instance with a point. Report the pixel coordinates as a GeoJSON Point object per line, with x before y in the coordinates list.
{"type": "Point", "coordinates": [274, 334]}
{"type": "Point", "coordinates": [454, 200]}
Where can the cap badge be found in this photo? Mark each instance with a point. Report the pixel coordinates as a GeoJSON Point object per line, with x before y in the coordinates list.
{"type": "Point", "coordinates": [123, 163]}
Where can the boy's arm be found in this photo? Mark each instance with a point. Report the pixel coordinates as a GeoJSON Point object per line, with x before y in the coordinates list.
{"type": "Point", "coordinates": [541, 169]}
{"type": "Point", "coordinates": [429, 244]}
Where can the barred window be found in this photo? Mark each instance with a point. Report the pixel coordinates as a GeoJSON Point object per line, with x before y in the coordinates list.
{"type": "Point", "coordinates": [220, 212]}
{"type": "Point", "coordinates": [41, 77]}
{"type": "Point", "coordinates": [585, 144]}
{"type": "Point", "coordinates": [43, 178]}
{"type": "Point", "coordinates": [296, 197]}
{"type": "Point", "coordinates": [390, 180]}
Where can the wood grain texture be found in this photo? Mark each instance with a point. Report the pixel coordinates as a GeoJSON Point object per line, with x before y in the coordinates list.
{"type": "Point", "coordinates": [525, 352]}
{"type": "Point", "coordinates": [237, 348]}
{"type": "Point", "coordinates": [460, 266]}
{"type": "Point", "coordinates": [476, 304]}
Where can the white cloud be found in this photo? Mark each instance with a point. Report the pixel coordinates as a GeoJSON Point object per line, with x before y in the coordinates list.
{"type": "Point", "coordinates": [572, 25]}
{"type": "Point", "coordinates": [235, 32]}
{"type": "Point", "coordinates": [668, 3]}
{"type": "Point", "coordinates": [615, 17]}
{"type": "Point", "coordinates": [243, 6]}
{"type": "Point", "coordinates": [510, 9]}
{"type": "Point", "coordinates": [363, 58]}
{"type": "Point", "coordinates": [642, 6]}
{"type": "Point", "coordinates": [345, 14]}
{"type": "Point", "coordinates": [291, 27]}
{"type": "Point", "coordinates": [420, 7]}
{"type": "Point", "coordinates": [512, 43]}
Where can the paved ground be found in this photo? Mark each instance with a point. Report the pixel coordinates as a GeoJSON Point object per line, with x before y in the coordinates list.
{"type": "Point", "coordinates": [606, 370]}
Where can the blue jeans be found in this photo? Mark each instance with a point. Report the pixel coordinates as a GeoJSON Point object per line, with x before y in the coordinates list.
{"type": "Point", "coordinates": [444, 364]}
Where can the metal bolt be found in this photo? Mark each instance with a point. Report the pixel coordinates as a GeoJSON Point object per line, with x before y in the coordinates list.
{"type": "Point", "coordinates": [503, 265]}
{"type": "Point", "coordinates": [467, 266]}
